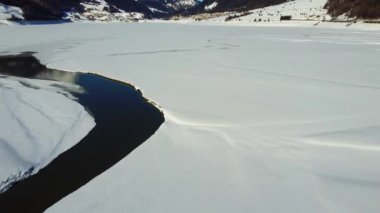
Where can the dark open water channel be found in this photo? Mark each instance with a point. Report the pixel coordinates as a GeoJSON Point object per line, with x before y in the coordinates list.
{"type": "Point", "coordinates": [124, 120]}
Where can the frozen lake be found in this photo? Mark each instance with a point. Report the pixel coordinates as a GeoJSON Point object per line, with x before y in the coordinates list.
{"type": "Point", "coordinates": [257, 119]}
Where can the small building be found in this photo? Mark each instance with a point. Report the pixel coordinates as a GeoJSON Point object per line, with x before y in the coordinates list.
{"type": "Point", "coordinates": [286, 18]}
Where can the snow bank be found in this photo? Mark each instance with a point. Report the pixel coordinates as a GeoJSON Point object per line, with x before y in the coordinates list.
{"type": "Point", "coordinates": [258, 119]}
{"type": "Point", "coordinates": [9, 12]}
{"type": "Point", "coordinates": [38, 121]}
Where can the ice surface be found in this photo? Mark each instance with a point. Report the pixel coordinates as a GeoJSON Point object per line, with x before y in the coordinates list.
{"type": "Point", "coordinates": [258, 119]}
{"type": "Point", "coordinates": [38, 121]}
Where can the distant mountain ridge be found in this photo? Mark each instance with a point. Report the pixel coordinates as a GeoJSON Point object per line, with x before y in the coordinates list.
{"type": "Point", "coordinates": [236, 5]}
{"type": "Point", "coordinates": [58, 9]}
{"type": "Point", "coordinates": [132, 10]}
{"type": "Point", "coordinates": [338, 9]}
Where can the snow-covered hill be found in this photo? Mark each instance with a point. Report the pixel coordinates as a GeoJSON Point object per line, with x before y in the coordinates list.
{"type": "Point", "coordinates": [95, 10]}
{"type": "Point", "coordinates": [295, 10]}
{"type": "Point", "coordinates": [181, 4]}
{"type": "Point", "coordinates": [224, 10]}
{"type": "Point", "coordinates": [236, 5]}
{"type": "Point", "coordinates": [299, 10]}
{"type": "Point", "coordinates": [100, 10]}
{"type": "Point", "coordinates": [362, 9]}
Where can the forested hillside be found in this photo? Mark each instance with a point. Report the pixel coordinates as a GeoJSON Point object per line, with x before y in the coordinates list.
{"type": "Point", "coordinates": [354, 8]}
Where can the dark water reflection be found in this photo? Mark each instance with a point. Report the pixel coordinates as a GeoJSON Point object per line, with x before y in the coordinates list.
{"type": "Point", "coordinates": [124, 120]}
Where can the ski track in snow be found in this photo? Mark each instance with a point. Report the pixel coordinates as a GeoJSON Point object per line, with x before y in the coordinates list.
{"type": "Point", "coordinates": [304, 78]}
{"type": "Point", "coordinates": [214, 46]}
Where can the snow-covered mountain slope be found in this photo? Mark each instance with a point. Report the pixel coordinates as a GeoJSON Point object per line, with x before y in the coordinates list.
{"type": "Point", "coordinates": [236, 5]}
{"type": "Point", "coordinates": [257, 119]}
{"type": "Point", "coordinates": [181, 4]}
{"type": "Point", "coordinates": [100, 10]}
{"type": "Point", "coordinates": [38, 122]}
{"type": "Point", "coordinates": [368, 9]}
{"type": "Point", "coordinates": [132, 10]}
{"type": "Point", "coordinates": [165, 8]}
{"type": "Point", "coordinates": [316, 10]}
{"type": "Point", "coordinates": [146, 8]}
{"type": "Point", "coordinates": [296, 10]}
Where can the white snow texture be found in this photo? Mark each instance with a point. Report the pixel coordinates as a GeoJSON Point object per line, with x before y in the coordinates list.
{"type": "Point", "coordinates": [36, 125]}
{"type": "Point", "coordinates": [258, 119]}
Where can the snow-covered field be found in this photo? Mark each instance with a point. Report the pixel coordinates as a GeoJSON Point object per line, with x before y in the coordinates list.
{"type": "Point", "coordinates": [38, 121]}
{"type": "Point", "coordinates": [258, 119]}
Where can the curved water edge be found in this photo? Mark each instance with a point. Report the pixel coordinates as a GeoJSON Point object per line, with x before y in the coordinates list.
{"type": "Point", "coordinates": [124, 120]}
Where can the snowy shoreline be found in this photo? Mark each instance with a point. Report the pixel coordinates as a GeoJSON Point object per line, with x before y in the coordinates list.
{"type": "Point", "coordinates": [39, 121]}
{"type": "Point", "coordinates": [359, 25]}
{"type": "Point", "coordinates": [124, 120]}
